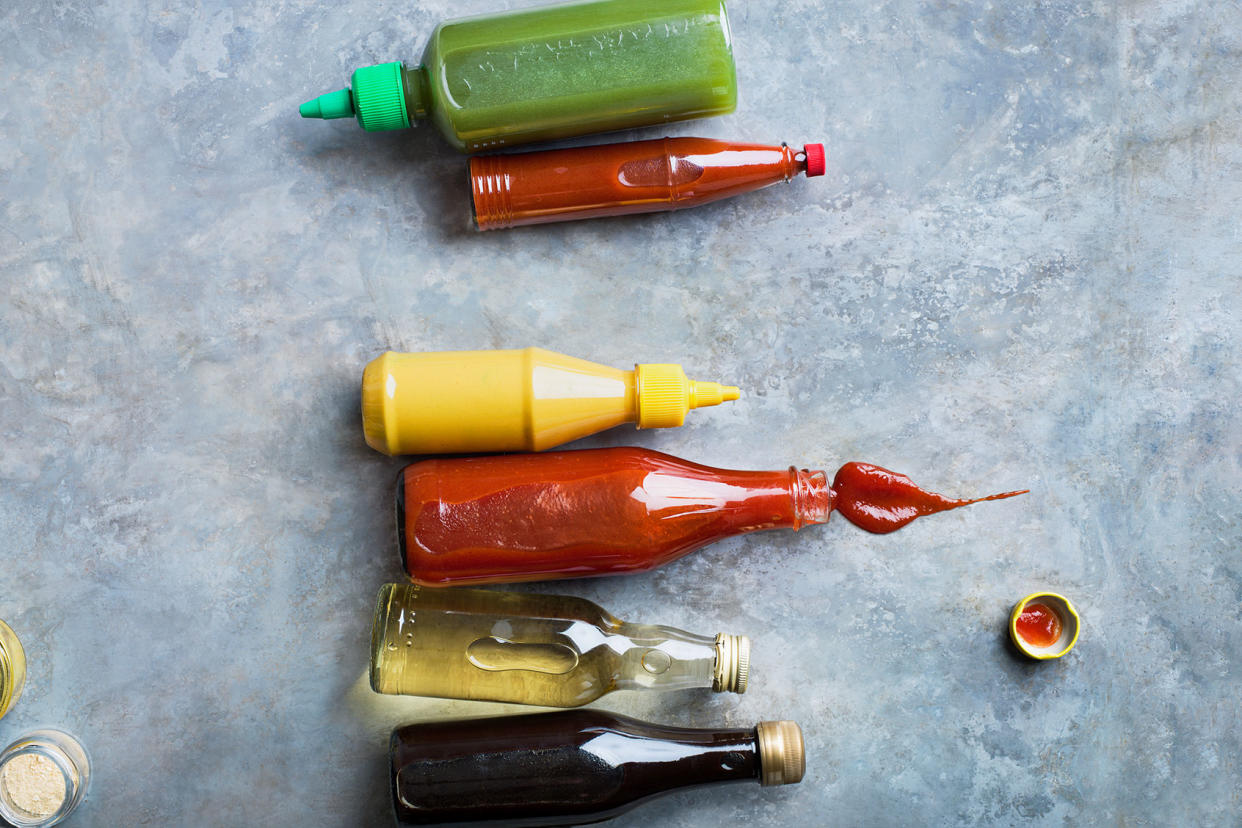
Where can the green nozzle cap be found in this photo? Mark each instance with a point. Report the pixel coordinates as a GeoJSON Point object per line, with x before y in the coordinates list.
{"type": "Point", "coordinates": [377, 100]}
{"type": "Point", "coordinates": [337, 104]}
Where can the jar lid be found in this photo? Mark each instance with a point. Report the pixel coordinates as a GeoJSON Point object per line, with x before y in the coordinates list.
{"type": "Point", "coordinates": [1044, 625]}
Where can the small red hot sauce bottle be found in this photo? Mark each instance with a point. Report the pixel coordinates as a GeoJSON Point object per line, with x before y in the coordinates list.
{"type": "Point", "coordinates": [632, 177]}
{"type": "Point", "coordinates": [576, 514]}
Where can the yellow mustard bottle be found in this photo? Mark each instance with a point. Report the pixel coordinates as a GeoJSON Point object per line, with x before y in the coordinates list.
{"type": "Point", "coordinates": [461, 402]}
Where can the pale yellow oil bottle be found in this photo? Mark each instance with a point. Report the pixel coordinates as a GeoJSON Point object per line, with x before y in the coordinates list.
{"type": "Point", "coordinates": [550, 650]}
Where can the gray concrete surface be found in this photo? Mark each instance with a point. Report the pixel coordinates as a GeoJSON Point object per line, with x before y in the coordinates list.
{"type": "Point", "coordinates": [1021, 271]}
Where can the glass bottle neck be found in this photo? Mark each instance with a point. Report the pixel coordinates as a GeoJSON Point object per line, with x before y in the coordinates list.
{"type": "Point", "coordinates": [812, 496]}
{"type": "Point", "coordinates": [774, 500]}
{"type": "Point", "coordinates": [654, 657]}
{"type": "Point", "coordinates": [687, 757]}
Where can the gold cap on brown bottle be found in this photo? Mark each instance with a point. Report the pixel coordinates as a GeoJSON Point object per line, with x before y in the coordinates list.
{"type": "Point", "coordinates": [732, 663]}
{"type": "Point", "coordinates": [782, 753]}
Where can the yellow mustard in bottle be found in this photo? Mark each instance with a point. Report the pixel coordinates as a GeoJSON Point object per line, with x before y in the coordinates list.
{"type": "Point", "coordinates": [461, 402]}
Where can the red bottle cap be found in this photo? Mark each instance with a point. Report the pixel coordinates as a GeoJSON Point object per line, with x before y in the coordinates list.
{"type": "Point", "coordinates": [816, 162]}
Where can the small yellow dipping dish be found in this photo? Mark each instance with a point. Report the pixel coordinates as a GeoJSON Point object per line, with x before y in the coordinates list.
{"type": "Point", "coordinates": [1044, 625]}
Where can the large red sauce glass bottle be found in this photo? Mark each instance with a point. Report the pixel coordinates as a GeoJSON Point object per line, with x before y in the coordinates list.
{"type": "Point", "coordinates": [574, 514]}
{"type": "Point", "coordinates": [572, 767]}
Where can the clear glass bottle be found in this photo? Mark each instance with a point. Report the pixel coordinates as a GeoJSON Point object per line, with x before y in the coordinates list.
{"type": "Point", "coordinates": [573, 766]}
{"type": "Point", "coordinates": [43, 778]}
{"type": "Point", "coordinates": [550, 650]}
{"type": "Point", "coordinates": [12, 668]}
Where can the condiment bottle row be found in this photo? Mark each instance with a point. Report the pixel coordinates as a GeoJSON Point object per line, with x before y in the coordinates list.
{"type": "Point", "coordinates": [499, 81]}
{"type": "Point", "coordinates": [568, 70]}
{"type": "Point", "coordinates": [527, 516]}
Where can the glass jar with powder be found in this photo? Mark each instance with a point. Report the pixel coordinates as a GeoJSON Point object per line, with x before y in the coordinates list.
{"type": "Point", "coordinates": [43, 777]}
{"type": "Point", "coordinates": [12, 668]}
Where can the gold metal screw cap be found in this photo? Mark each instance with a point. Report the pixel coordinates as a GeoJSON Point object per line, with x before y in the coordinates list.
{"type": "Point", "coordinates": [732, 663]}
{"type": "Point", "coordinates": [782, 753]}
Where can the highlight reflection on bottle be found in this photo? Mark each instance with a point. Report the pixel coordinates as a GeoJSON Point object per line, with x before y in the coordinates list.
{"type": "Point", "coordinates": [550, 650]}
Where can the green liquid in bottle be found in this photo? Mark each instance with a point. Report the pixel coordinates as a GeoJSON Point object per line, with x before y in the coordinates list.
{"type": "Point", "coordinates": [556, 72]}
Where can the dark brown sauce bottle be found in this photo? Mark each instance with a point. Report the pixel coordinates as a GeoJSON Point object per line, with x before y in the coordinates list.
{"type": "Point", "coordinates": [572, 767]}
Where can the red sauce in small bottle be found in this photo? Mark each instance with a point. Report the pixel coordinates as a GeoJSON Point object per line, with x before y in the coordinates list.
{"type": "Point", "coordinates": [625, 178]}
{"type": "Point", "coordinates": [574, 514]}
{"type": "Point", "coordinates": [1039, 625]}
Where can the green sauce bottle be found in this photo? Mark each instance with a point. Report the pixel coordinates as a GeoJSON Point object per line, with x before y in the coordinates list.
{"type": "Point", "coordinates": [553, 72]}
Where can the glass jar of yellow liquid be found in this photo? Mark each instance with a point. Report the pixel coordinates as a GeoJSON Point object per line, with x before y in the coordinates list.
{"type": "Point", "coordinates": [12, 668]}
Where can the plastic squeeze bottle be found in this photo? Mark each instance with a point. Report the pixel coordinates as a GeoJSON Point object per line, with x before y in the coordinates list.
{"type": "Point", "coordinates": [552, 72]}
{"type": "Point", "coordinates": [572, 767]}
{"type": "Point", "coordinates": [612, 511]}
{"type": "Point", "coordinates": [462, 402]}
{"type": "Point", "coordinates": [633, 177]}
{"type": "Point", "coordinates": [549, 650]}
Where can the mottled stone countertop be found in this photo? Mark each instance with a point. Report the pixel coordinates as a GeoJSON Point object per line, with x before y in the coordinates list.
{"type": "Point", "coordinates": [1022, 270]}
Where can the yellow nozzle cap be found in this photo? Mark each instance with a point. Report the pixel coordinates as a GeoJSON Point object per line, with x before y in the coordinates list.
{"type": "Point", "coordinates": [665, 396]}
{"type": "Point", "coordinates": [378, 388]}
{"type": "Point", "coordinates": [711, 393]}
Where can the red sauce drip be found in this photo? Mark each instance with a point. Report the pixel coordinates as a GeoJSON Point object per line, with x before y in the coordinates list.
{"type": "Point", "coordinates": [1039, 625]}
{"type": "Point", "coordinates": [882, 501]}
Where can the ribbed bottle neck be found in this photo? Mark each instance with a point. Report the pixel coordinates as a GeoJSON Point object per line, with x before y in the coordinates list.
{"type": "Point", "coordinates": [812, 496]}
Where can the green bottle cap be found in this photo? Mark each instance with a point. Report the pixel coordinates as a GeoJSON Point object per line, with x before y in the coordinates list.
{"type": "Point", "coordinates": [377, 100]}
{"type": "Point", "coordinates": [336, 104]}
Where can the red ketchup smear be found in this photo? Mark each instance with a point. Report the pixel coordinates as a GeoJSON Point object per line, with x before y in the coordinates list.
{"type": "Point", "coordinates": [1039, 625]}
{"type": "Point", "coordinates": [882, 501]}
